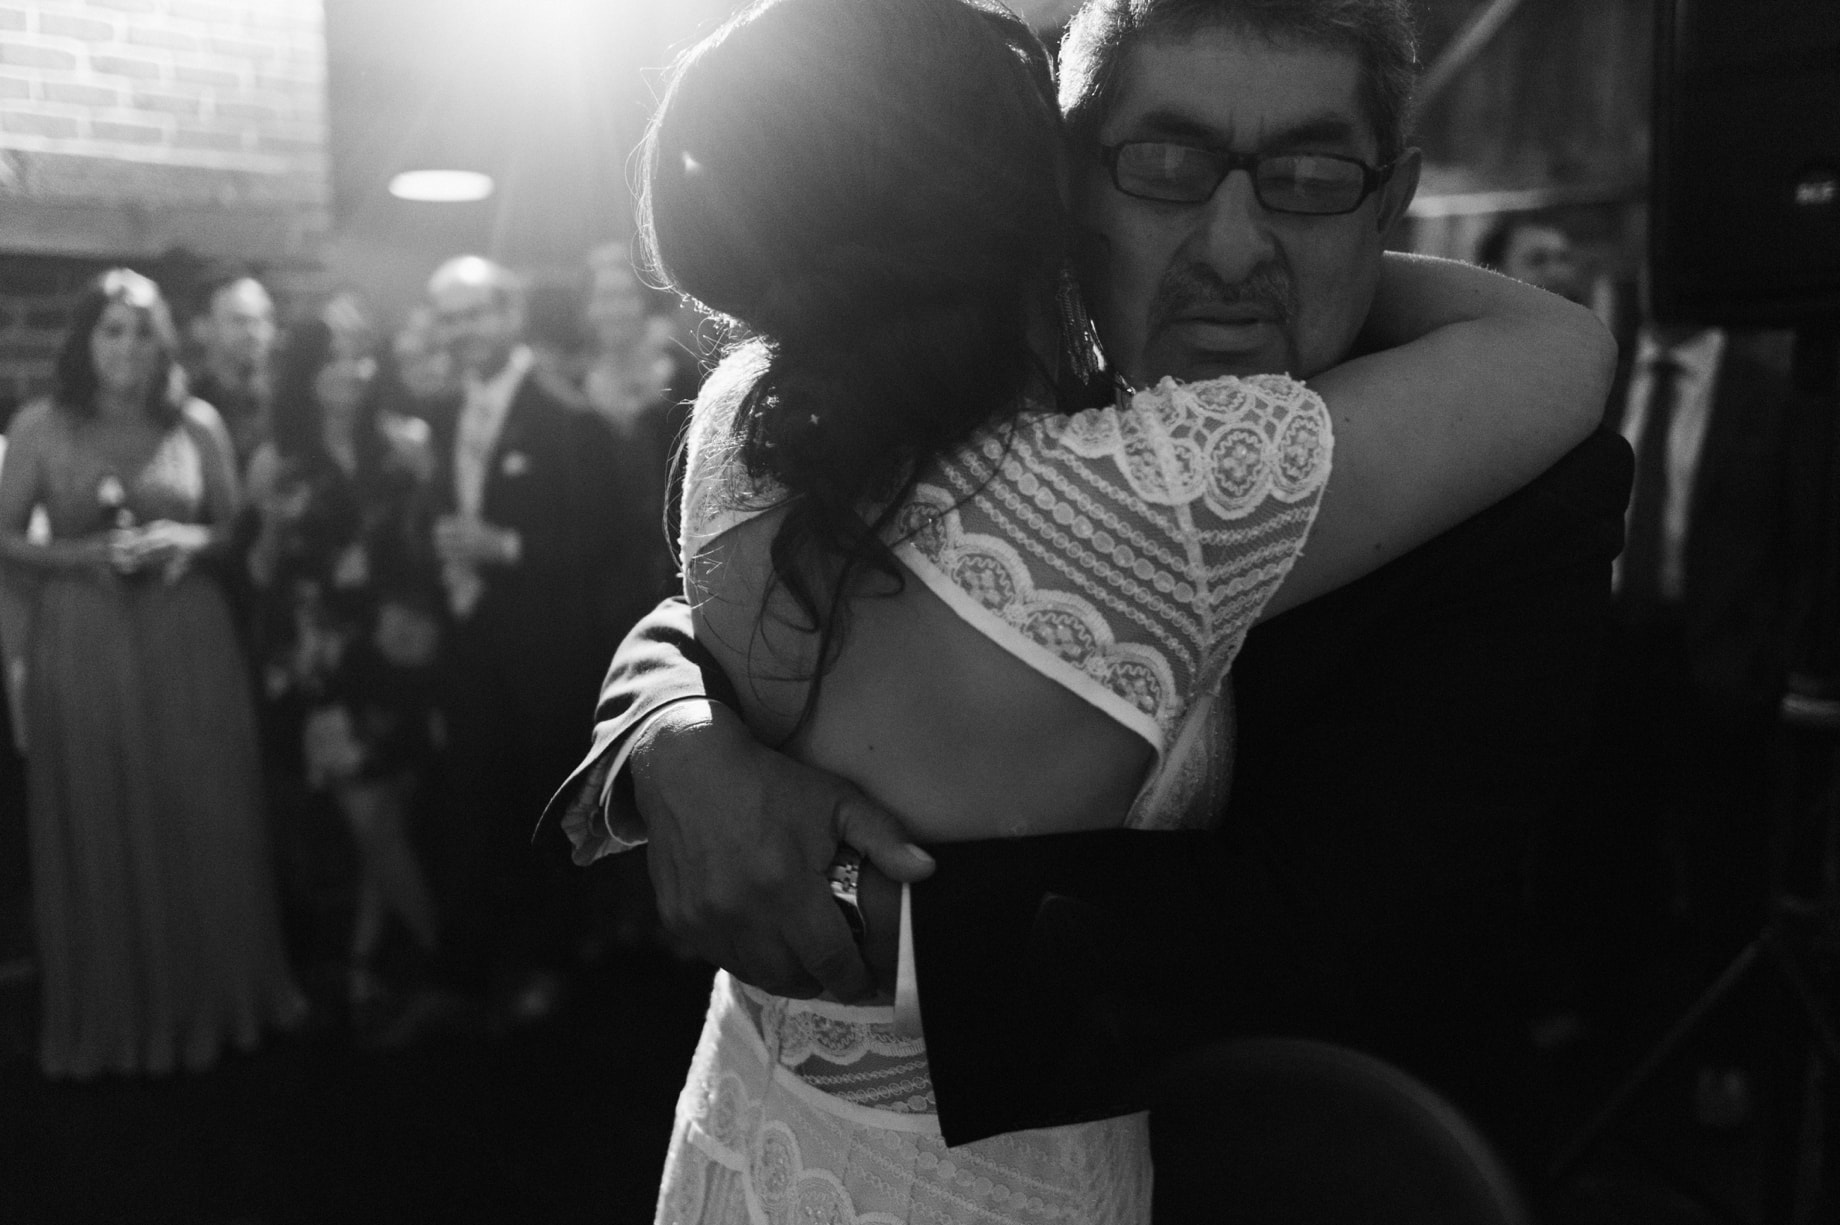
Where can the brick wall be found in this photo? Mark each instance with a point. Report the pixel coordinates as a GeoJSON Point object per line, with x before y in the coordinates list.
{"type": "Point", "coordinates": [35, 294]}
{"type": "Point", "coordinates": [161, 133]}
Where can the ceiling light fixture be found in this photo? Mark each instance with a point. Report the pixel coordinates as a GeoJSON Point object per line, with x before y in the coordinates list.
{"type": "Point", "coordinates": [441, 186]}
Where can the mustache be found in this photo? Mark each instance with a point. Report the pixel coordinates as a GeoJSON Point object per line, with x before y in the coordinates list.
{"type": "Point", "coordinates": [1192, 286]}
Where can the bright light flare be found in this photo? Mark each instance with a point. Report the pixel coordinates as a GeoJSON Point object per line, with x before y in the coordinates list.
{"type": "Point", "coordinates": [441, 186]}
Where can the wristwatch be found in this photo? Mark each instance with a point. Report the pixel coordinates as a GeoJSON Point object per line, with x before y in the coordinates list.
{"type": "Point", "coordinates": [845, 874]}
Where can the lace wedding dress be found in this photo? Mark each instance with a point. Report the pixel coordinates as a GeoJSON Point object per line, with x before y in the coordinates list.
{"type": "Point", "coordinates": [1122, 552]}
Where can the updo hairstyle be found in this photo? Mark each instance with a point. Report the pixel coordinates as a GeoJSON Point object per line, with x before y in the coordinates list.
{"type": "Point", "coordinates": [873, 188]}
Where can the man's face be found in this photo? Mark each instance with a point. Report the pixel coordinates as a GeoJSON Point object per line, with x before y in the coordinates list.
{"type": "Point", "coordinates": [1226, 286]}
{"type": "Point", "coordinates": [1542, 255]}
{"type": "Point", "coordinates": [476, 323]}
{"type": "Point", "coordinates": [243, 325]}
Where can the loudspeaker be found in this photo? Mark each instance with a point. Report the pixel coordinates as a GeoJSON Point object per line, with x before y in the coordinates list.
{"type": "Point", "coordinates": [1744, 212]}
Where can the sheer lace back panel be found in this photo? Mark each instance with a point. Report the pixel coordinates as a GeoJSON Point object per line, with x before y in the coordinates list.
{"type": "Point", "coordinates": [1122, 552]}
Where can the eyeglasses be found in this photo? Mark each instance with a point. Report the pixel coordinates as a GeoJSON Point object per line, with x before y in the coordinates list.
{"type": "Point", "coordinates": [1314, 184]}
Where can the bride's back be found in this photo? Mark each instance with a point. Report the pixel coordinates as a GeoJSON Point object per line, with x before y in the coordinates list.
{"type": "Point", "coordinates": [925, 713]}
{"type": "Point", "coordinates": [874, 188]}
{"type": "Point", "coordinates": [1060, 599]}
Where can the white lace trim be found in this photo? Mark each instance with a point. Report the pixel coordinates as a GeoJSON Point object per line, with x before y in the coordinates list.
{"type": "Point", "coordinates": [843, 1052]}
{"type": "Point", "coordinates": [1057, 633]}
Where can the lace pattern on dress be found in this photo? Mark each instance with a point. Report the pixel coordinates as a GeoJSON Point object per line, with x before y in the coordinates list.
{"type": "Point", "coordinates": [1123, 552]}
{"type": "Point", "coordinates": [851, 1053]}
{"type": "Point", "coordinates": [754, 1144]}
{"type": "Point", "coordinates": [1126, 552]}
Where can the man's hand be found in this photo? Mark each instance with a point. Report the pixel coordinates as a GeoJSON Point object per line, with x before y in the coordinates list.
{"type": "Point", "coordinates": [471, 543]}
{"type": "Point", "coordinates": [740, 838]}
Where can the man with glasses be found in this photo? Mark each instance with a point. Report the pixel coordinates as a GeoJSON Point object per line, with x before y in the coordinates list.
{"type": "Point", "coordinates": [1193, 269]}
{"type": "Point", "coordinates": [1238, 164]}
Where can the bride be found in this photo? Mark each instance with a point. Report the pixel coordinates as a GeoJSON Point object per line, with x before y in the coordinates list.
{"type": "Point", "coordinates": [930, 565]}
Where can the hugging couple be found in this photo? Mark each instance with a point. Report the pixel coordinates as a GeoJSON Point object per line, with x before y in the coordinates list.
{"type": "Point", "coordinates": [1220, 647]}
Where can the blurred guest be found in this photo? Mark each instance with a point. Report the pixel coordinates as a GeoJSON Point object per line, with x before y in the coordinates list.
{"type": "Point", "coordinates": [1670, 839]}
{"type": "Point", "coordinates": [424, 369]}
{"type": "Point", "coordinates": [557, 334]}
{"type": "Point", "coordinates": [529, 545]}
{"type": "Point", "coordinates": [627, 376]}
{"type": "Point", "coordinates": [641, 380]}
{"type": "Point", "coordinates": [1705, 592]}
{"type": "Point", "coordinates": [1533, 248]}
{"type": "Point", "coordinates": [14, 605]}
{"type": "Point", "coordinates": [152, 887]}
{"type": "Point", "coordinates": [234, 377]}
{"type": "Point", "coordinates": [350, 610]}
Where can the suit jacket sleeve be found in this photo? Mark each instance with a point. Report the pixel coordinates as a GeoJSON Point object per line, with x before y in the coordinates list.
{"type": "Point", "coordinates": [658, 663]}
{"type": "Point", "coordinates": [1398, 739]}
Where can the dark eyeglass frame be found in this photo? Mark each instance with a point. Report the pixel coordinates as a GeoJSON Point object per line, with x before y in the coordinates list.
{"type": "Point", "coordinates": [1373, 178]}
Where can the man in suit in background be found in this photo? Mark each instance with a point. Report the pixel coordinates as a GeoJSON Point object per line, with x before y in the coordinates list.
{"type": "Point", "coordinates": [1670, 838]}
{"type": "Point", "coordinates": [1397, 738]}
{"type": "Point", "coordinates": [238, 335]}
{"type": "Point", "coordinates": [529, 544]}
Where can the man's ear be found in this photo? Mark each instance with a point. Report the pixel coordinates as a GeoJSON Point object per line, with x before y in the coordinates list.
{"type": "Point", "coordinates": [1399, 190]}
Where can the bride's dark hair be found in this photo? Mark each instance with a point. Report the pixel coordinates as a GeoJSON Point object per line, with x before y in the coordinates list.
{"type": "Point", "coordinates": [873, 188]}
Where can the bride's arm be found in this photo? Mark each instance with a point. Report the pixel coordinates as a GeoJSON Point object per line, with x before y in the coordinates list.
{"type": "Point", "coordinates": [1471, 385]}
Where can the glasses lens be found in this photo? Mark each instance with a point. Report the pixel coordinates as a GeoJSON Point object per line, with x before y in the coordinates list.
{"type": "Point", "coordinates": [1156, 170]}
{"type": "Point", "coordinates": [1311, 183]}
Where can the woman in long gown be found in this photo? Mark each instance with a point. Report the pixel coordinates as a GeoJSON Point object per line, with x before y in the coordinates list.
{"type": "Point", "coordinates": [153, 893]}
{"type": "Point", "coordinates": [994, 610]}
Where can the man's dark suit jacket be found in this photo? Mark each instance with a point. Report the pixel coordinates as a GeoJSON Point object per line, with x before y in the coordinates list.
{"type": "Point", "coordinates": [554, 478]}
{"type": "Point", "coordinates": [1748, 534]}
{"type": "Point", "coordinates": [1398, 739]}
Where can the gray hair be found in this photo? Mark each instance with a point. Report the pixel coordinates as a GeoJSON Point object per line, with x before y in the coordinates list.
{"type": "Point", "coordinates": [1377, 32]}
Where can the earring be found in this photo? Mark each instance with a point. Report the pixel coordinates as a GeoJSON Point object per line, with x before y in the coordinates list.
{"type": "Point", "coordinates": [1079, 342]}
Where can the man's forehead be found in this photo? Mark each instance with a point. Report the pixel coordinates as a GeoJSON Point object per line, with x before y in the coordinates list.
{"type": "Point", "coordinates": [242, 298]}
{"type": "Point", "coordinates": [1241, 90]}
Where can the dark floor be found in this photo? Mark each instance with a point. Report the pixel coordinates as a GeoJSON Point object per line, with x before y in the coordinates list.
{"type": "Point", "coordinates": [562, 1122]}
{"type": "Point", "coordinates": [566, 1122]}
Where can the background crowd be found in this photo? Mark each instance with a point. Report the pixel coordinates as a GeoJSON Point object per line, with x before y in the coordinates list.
{"type": "Point", "coordinates": [303, 616]}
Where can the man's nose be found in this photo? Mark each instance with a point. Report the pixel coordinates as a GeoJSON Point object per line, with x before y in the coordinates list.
{"type": "Point", "coordinates": [1232, 232]}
